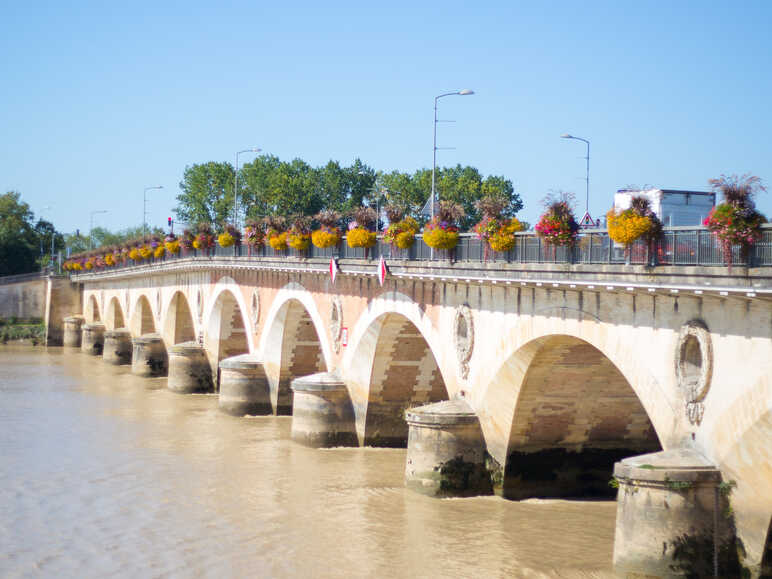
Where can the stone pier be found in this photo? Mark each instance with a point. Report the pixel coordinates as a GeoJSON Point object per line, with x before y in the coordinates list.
{"type": "Point", "coordinates": [244, 387]}
{"type": "Point", "coordinates": [322, 413]}
{"type": "Point", "coordinates": [189, 370]}
{"type": "Point", "coordinates": [673, 517]}
{"type": "Point", "coordinates": [72, 331]}
{"type": "Point", "coordinates": [93, 338]}
{"type": "Point", "coordinates": [446, 451]}
{"type": "Point", "coordinates": [149, 356]}
{"type": "Point", "coordinates": [117, 347]}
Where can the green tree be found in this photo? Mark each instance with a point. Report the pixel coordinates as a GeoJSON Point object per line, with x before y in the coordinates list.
{"type": "Point", "coordinates": [207, 193]}
{"type": "Point", "coordinates": [293, 190]}
{"type": "Point", "coordinates": [255, 182]}
{"type": "Point", "coordinates": [46, 233]}
{"type": "Point", "coordinates": [19, 243]}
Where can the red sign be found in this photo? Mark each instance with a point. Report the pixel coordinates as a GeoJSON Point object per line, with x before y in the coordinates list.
{"type": "Point", "coordinates": [382, 271]}
{"type": "Point", "coordinates": [344, 336]}
{"type": "Point", "coordinates": [333, 270]}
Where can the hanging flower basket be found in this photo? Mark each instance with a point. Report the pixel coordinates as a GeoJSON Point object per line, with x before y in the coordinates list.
{"type": "Point", "coordinates": [325, 237]}
{"type": "Point", "coordinates": [361, 237]}
{"type": "Point", "coordinates": [402, 233]}
{"type": "Point", "coordinates": [277, 240]}
{"type": "Point", "coordinates": [440, 234]}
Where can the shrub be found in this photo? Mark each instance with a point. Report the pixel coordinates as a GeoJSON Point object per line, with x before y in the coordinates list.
{"type": "Point", "coordinates": [557, 225]}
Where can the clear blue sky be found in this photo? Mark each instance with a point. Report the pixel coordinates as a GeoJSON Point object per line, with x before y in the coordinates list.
{"type": "Point", "coordinates": [102, 99]}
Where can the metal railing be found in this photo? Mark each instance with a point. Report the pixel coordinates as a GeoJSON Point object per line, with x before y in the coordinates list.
{"type": "Point", "coordinates": [679, 246]}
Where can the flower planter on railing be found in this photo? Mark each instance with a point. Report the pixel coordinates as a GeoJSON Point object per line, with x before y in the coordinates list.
{"type": "Point", "coordinates": [679, 246]}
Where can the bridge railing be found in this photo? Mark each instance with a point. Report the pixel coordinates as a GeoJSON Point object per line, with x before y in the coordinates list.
{"type": "Point", "coordinates": [679, 246]}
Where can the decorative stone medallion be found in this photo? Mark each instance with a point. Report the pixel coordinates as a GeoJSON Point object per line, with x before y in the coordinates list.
{"type": "Point", "coordinates": [694, 367]}
{"type": "Point", "coordinates": [336, 322]}
{"type": "Point", "coordinates": [255, 310]}
{"type": "Point", "coordinates": [463, 338]}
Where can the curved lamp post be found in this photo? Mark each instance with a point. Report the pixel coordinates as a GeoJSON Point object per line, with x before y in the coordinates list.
{"type": "Point", "coordinates": [236, 185]}
{"type": "Point", "coordinates": [587, 178]}
{"type": "Point", "coordinates": [463, 92]}
{"type": "Point", "coordinates": [144, 207]}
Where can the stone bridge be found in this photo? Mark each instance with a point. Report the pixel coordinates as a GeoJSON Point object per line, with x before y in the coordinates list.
{"type": "Point", "coordinates": [551, 374]}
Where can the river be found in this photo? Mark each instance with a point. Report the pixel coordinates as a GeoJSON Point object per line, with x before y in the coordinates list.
{"type": "Point", "coordinates": [103, 474]}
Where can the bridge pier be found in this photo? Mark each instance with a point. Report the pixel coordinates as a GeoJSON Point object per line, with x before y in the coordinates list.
{"type": "Point", "coordinates": [446, 451]}
{"type": "Point", "coordinates": [244, 387]}
{"type": "Point", "coordinates": [672, 517]}
{"type": "Point", "coordinates": [189, 369]}
{"type": "Point", "coordinates": [322, 413]}
{"type": "Point", "coordinates": [72, 331]}
{"type": "Point", "coordinates": [117, 347]}
{"type": "Point", "coordinates": [93, 338]}
{"type": "Point", "coordinates": [149, 356]}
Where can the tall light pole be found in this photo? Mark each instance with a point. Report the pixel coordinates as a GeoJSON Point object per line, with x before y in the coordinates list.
{"type": "Point", "coordinates": [587, 178]}
{"type": "Point", "coordinates": [463, 92]}
{"type": "Point", "coordinates": [91, 227]}
{"type": "Point", "coordinates": [144, 207]}
{"type": "Point", "coordinates": [236, 185]}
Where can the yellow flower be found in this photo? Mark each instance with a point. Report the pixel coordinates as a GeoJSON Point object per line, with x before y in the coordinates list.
{"type": "Point", "coordinates": [173, 246]}
{"type": "Point", "coordinates": [159, 251]}
{"type": "Point", "coordinates": [627, 226]}
{"type": "Point", "coordinates": [225, 239]}
{"type": "Point", "coordinates": [322, 238]}
{"type": "Point", "coordinates": [145, 251]}
{"type": "Point", "coordinates": [278, 241]}
{"type": "Point", "coordinates": [299, 241]}
{"type": "Point", "coordinates": [361, 237]}
{"type": "Point", "coordinates": [405, 239]}
{"type": "Point", "coordinates": [134, 253]}
{"type": "Point", "coordinates": [438, 238]}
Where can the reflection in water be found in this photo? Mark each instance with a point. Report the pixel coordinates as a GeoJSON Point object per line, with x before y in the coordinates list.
{"type": "Point", "coordinates": [104, 473]}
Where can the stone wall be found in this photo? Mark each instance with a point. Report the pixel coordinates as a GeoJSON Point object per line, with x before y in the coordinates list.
{"type": "Point", "coordinates": [24, 297]}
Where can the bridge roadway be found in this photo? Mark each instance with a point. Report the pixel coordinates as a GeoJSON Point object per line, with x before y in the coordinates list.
{"type": "Point", "coordinates": [554, 374]}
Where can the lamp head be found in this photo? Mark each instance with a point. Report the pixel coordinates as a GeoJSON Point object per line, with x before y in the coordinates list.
{"type": "Point", "coordinates": [466, 91]}
{"type": "Point", "coordinates": [566, 136]}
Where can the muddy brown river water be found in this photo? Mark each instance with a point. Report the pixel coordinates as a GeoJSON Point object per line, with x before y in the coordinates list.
{"type": "Point", "coordinates": [103, 474]}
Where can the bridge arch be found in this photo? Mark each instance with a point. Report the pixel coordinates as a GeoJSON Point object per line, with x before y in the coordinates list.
{"type": "Point", "coordinates": [114, 317]}
{"type": "Point", "coordinates": [92, 310]}
{"type": "Point", "coordinates": [178, 322]}
{"type": "Point", "coordinates": [392, 366]}
{"type": "Point", "coordinates": [226, 330]}
{"type": "Point", "coordinates": [575, 415]}
{"type": "Point", "coordinates": [293, 344]}
{"type": "Point", "coordinates": [496, 397]}
{"type": "Point", "coordinates": [142, 319]}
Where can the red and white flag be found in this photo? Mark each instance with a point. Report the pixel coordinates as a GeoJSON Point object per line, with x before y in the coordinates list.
{"type": "Point", "coordinates": [333, 270]}
{"type": "Point", "coordinates": [382, 271]}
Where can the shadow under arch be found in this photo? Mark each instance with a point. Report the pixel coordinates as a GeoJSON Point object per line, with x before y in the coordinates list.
{"type": "Point", "coordinates": [292, 348]}
{"type": "Point", "coordinates": [225, 332]}
{"type": "Point", "coordinates": [114, 318]}
{"type": "Point", "coordinates": [142, 321]}
{"type": "Point", "coordinates": [574, 416]}
{"type": "Point", "coordinates": [398, 370]}
{"type": "Point", "coordinates": [178, 325]}
{"type": "Point", "coordinates": [92, 310]}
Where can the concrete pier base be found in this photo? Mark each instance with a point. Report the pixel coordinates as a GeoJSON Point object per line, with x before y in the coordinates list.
{"type": "Point", "coordinates": [189, 370]}
{"type": "Point", "coordinates": [93, 338]}
{"type": "Point", "coordinates": [72, 331]}
{"type": "Point", "coordinates": [322, 413]}
{"type": "Point", "coordinates": [117, 348]}
{"type": "Point", "coordinates": [446, 451]}
{"type": "Point", "coordinates": [149, 356]}
{"type": "Point", "coordinates": [672, 517]}
{"type": "Point", "coordinates": [244, 387]}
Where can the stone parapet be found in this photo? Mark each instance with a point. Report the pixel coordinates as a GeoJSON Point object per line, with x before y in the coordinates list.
{"type": "Point", "coordinates": [149, 356]}
{"type": "Point", "coordinates": [446, 451]}
{"type": "Point", "coordinates": [93, 338]}
{"type": "Point", "coordinates": [244, 387]}
{"type": "Point", "coordinates": [189, 369]}
{"type": "Point", "coordinates": [117, 347]}
{"type": "Point", "coordinates": [322, 413]}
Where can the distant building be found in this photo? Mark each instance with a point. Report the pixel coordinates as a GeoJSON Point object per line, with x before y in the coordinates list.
{"type": "Point", "coordinates": [672, 206]}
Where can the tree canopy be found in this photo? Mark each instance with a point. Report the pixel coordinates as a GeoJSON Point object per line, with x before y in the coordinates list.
{"type": "Point", "coordinates": [24, 245]}
{"type": "Point", "coordinates": [270, 186]}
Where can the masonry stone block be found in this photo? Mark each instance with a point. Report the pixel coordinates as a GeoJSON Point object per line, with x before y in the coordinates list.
{"type": "Point", "coordinates": [149, 356]}
{"type": "Point", "coordinates": [72, 331]}
{"type": "Point", "coordinates": [244, 387]}
{"type": "Point", "coordinates": [93, 338]}
{"type": "Point", "coordinates": [322, 413]}
{"type": "Point", "coordinates": [189, 369]}
{"type": "Point", "coordinates": [117, 347]}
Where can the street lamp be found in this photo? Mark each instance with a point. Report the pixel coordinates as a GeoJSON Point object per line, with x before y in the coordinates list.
{"type": "Point", "coordinates": [587, 178]}
{"type": "Point", "coordinates": [91, 227]}
{"type": "Point", "coordinates": [463, 92]}
{"type": "Point", "coordinates": [236, 185]}
{"type": "Point", "coordinates": [144, 207]}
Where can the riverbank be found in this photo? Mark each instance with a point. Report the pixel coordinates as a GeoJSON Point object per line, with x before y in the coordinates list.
{"type": "Point", "coordinates": [31, 331]}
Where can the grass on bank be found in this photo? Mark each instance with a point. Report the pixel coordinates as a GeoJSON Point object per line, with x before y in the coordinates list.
{"type": "Point", "coordinates": [14, 329]}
